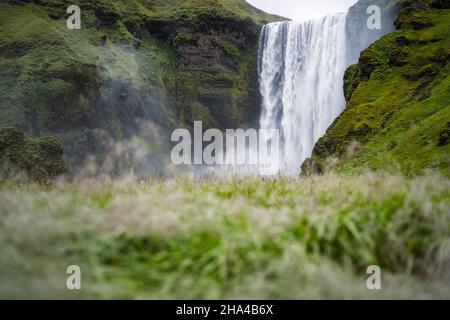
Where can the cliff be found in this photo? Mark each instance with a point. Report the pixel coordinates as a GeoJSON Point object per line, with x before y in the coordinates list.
{"type": "Point", "coordinates": [133, 62]}
{"type": "Point", "coordinates": [36, 159]}
{"type": "Point", "coordinates": [397, 116]}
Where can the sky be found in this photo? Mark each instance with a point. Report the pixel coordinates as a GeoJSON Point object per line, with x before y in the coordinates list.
{"type": "Point", "coordinates": [301, 10]}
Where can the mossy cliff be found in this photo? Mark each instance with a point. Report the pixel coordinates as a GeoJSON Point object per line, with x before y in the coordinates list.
{"type": "Point", "coordinates": [159, 61]}
{"type": "Point", "coordinates": [397, 116]}
{"type": "Point", "coordinates": [39, 159]}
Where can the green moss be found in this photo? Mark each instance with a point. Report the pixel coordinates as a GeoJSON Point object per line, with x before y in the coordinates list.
{"type": "Point", "coordinates": [41, 159]}
{"type": "Point", "coordinates": [130, 60]}
{"type": "Point", "coordinates": [191, 10]}
{"type": "Point", "coordinates": [398, 106]}
{"type": "Point", "coordinates": [351, 80]}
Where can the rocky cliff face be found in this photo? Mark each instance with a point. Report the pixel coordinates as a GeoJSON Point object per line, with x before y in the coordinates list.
{"type": "Point", "coordinates": [133, 62]}
{"type": "Point", "coordinates": [398, 99]}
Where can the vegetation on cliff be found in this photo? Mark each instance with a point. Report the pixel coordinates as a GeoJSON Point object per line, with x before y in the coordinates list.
{"type": "Point", "coordinates": [35, 159]}
{"type": "Point", "coordinates": [164, 62]}
{"type": "Point", "coordinates": [398, 100]}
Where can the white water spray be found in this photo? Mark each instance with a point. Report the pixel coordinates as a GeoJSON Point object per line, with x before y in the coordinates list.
{"type": "Point", "coordinates": [301, 71]}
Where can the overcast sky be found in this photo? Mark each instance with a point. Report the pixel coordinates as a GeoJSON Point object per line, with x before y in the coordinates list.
{"type": "Point", "coordinates": [302, 10]}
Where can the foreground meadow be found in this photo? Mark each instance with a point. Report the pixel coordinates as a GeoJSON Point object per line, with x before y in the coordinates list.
{"type": "Point", "coordinates": [279, 239]}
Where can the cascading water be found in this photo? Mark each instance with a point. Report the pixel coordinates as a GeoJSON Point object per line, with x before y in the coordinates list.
{"type": "Point", "coordinates": [301, 70]}
{"type": "Point", "coordinates": [301, 75]}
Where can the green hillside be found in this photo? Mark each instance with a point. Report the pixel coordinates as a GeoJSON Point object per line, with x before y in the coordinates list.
{"type": "Point", "coordinates": [398, 100]}
{"type": "Point", "coordinates": [164, 62]}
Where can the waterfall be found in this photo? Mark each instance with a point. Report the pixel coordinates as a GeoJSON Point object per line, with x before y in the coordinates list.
{"type": "Point", "coordinates": [301, 71]}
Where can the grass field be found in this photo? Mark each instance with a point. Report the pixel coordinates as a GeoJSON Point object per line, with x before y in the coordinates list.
{"type": "Point", "coordinates": [180, 238]}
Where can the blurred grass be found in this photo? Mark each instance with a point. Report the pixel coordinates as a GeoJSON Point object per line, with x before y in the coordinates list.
{"type": "Point", "coordinates": [251, 238]}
